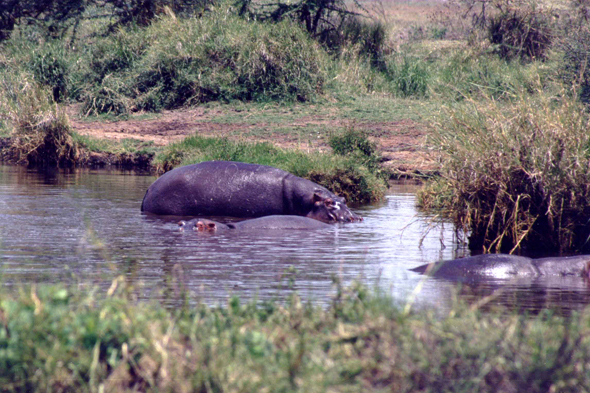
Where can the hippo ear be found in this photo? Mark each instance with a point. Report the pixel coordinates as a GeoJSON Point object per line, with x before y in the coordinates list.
{"type": "Point", "coordinates": [211, 226]}
{"type": "Point", "coordinates": [317, 197]}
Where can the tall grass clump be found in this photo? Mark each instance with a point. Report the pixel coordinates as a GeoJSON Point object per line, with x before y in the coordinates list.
{"type": "Point", "coordinates": [575, 63]}
{"type": "Point", "coordinates": [522, 31]}
{"type": "Point", "coordinates": [515, 176]}
{"type": "Point", "coordinates": [469, 73]}
{"type": "Point", "coordinates": [408, 76]}
{"type": "Point", "coordinates": [41, 130]}
{"type": "Point", "coordinates": [369, 36]}
{"type": "Point", "coordinates": [51, 64]}
{"type": "Point", "coordinates": [221, 57]}
{"type": "Point", "coordinates": [67, 339]}
{"type": "Point", "coordinates": [343, 174]}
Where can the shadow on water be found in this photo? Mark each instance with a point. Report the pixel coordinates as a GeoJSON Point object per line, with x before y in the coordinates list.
{"type": "Point", "coordinates": [87, 224]}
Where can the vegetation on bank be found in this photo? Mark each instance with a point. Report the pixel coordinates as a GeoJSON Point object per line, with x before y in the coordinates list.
{"type": "Point", "coordinates": [60, 338]}
{"type": "Point", "coordinates": [515, 175]}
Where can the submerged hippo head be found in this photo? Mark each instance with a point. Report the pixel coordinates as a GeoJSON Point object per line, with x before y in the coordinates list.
{"type": "Point", "coordinates": [204, 225]}
{"type": "Point", "coordinates": [331, 209]}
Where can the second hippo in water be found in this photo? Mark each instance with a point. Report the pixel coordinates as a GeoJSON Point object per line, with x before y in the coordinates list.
{"type": "Point", "coordinates": [277, 222]}
{"type": "Point", "coordinates": [502, 266]}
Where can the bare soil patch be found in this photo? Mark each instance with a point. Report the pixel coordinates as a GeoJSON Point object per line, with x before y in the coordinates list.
{"type": "Point", "coordinates": [401, 143]}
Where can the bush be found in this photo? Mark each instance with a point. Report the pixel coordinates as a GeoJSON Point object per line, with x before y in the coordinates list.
{"type": "Point", "coordinates": [575, 65]}
{"type": "Point", "coordinates": [515, 176]}
{"type": "Point", "coordinates": [370, 37]}
{"type": "Point", "coordinates": [178, 63]}
{"type": "Point", "coordinates": [50, 66]}
{"type": "Point", "coordinates": [41, 131]}
{"type": "Point", "coordinates": [523, 33]}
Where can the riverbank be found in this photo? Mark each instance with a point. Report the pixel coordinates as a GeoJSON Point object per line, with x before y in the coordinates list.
{"type": "Point", "coordinates": [58, 338]}
{"type": "Point", "coordinates": [400, 136]}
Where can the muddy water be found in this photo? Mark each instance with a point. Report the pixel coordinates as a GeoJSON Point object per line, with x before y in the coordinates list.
{"type": "Point", "coordinates": [86, 226]}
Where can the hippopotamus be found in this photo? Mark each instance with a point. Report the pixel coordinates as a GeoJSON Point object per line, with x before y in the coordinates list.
{"type": "Point", "coordinates": [262, 223]}
{"type": "Point", "coordinates": [237, 189]}
{"type": "Point", "coordinates": [502, 266]}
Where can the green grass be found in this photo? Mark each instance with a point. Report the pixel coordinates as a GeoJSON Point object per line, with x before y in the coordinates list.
{"type": "Point", "coordinates": [123, 146]}
{"type": "Point", "coordinates": [70, 338]}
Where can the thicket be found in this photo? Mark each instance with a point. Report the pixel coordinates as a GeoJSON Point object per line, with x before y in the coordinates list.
{"type": "Point", "coordinates": [515, 175]}
{"type": "Point", "coordinates": [63, 338]}
{"type": "Point", "coordinates": [41, 131]}
{"type": "Point", "coordinates": [175, 63]}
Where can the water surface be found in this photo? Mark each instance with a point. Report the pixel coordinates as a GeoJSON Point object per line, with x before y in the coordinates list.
{"type": "Point", "coordinates": [86, 225]}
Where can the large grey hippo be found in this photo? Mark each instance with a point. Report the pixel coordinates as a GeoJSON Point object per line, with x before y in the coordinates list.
{"type": "Point", "coordinates": [263, 223]}
{"type": "Point", "coordinates": [236, 189]}
{"type": "Point", "coordinates": [502, 266]}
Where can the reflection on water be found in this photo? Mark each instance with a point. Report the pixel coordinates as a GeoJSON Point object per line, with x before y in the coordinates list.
{"type": "Point", "coordinates": [88, 224]}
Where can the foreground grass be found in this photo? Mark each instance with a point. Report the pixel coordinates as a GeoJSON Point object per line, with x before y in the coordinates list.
{"type": "Point", "coordinates": [56, 338]}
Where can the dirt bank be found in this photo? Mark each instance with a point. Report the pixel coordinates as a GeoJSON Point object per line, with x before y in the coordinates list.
{"type": "Point", "coordinates": [401, 143]}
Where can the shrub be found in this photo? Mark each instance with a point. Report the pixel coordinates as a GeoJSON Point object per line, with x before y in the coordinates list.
{"type": "Point", "coordinates": [523, 33]}
{"type": "Point", "coordinates": [178, 63]}
{"type": "Point", "coordinates": [369, 36]}
{"type": "Point", "coordinates": [356, 144]}
{"type": "Point", "coordinates": [41, 131]}
{"type": "Point", "coordinates": [515, 176]}
{"type": "Point", "coordinates": [110, 96]}
{"type": "Point", "coordinates": [50, 66]}
{"type": "Point", "coordinates": [575, 65]}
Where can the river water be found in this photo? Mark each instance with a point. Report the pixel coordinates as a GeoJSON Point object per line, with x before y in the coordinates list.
{"type": "Point", "coordinates": [86, 226]}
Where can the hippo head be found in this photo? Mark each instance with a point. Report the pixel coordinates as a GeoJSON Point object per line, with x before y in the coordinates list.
{"type": "Point", "coordinates": [331, 209]}
{"type": "Point", "coordinates": [205, 226]}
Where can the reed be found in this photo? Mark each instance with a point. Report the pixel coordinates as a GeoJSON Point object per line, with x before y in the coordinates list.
{"type": "Point", "coordinates": [40, 129]}
{"type": "Point", "coordinates": [515, 175]}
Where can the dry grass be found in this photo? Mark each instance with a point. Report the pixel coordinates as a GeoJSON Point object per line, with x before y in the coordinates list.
{"type": "Point", "coordinates": [515, 174]}
{"type": "Point", "coordinates": [41, 131]}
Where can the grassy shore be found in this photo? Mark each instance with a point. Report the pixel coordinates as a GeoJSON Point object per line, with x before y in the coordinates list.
{"type": "Point", "coordinates": [59, 338]}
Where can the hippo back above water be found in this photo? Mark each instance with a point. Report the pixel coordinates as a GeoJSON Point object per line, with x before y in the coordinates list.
{"type": "Point", "coordinates": [502, 266]}
{"type": "Point", "coordinates": [236, 189]}
{"type": "Point", "coordinates": [254, 225]}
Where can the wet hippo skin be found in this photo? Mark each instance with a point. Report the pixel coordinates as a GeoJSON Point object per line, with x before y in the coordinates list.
{"type": "Point", "coordinates": [507, 266]}
{"type": "Point", "coordinates": [279, 222]}
{"type": "Point", "coordinates": [235, 189]}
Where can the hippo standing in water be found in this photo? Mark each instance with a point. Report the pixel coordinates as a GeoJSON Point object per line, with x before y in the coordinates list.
{"type": "Point", "coordinates": [256, 224]}
{"type": "Point", "coordinates": [502, 266]}
{"type": "Point", "coordinates": [236, 189]}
